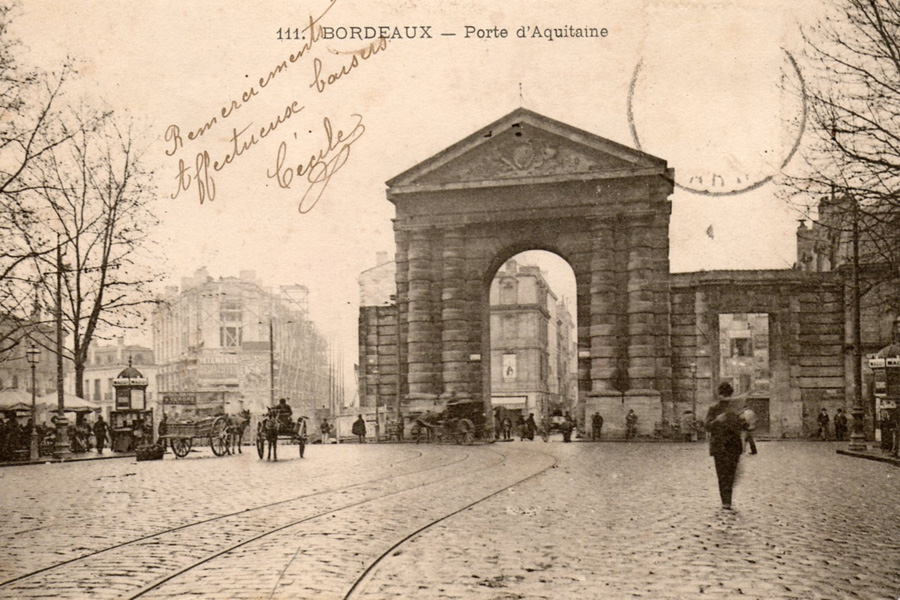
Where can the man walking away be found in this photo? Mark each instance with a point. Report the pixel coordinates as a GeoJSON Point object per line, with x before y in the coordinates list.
{"type": "Point", "coordinates": [101, 432]}
{"type": "Point", "coordinates": [748, 419]}
{"type": "Point", "coordinates": [725, 446]}
{"type": "Point", "coordinates": [326, 431]}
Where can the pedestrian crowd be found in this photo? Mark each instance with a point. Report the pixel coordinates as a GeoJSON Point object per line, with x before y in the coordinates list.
{"type": "Point", "coordinates": [16, 438]}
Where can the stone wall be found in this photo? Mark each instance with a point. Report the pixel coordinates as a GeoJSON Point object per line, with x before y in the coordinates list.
{"type": "Point", "coordinates": [378, 377]}
{"type": "Point", "coordinates": [806, 340]}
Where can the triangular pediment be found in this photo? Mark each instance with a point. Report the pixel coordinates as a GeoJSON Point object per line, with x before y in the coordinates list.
{"type": "Point", "coordinates": [525, 148]}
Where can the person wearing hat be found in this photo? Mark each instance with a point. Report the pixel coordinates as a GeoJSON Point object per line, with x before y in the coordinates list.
{"type": "Point", "coordinates": [725, 444]}
{"type": "Point", "coordinates": [284, 414]}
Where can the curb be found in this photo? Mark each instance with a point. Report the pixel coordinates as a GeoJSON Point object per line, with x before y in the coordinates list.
{"type": "Point", "coordinates": [885, 459]}
{"type": "Point", "coordinates": [67, 460]}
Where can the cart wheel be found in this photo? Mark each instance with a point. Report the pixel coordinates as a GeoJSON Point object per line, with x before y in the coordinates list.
{"type": "Point", "coordinates": [218, 436]}
{"type": "Point", "coordinates": [260, 444]}
{"type": "Point", "coordinates": [181, 447]}
{"type": "Point", "coordinates": [302, 444]}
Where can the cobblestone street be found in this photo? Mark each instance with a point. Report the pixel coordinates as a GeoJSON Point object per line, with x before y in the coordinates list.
{"type": "Point", "coordinates": [513, 520]}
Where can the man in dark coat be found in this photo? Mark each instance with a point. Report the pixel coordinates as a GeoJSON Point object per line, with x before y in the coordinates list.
{"type": "Point", "coordinates": [823, 420]}
{"type": "Point", "coordinates": [725, 445]}
{"type": "Point", "coordinates": [596, 426]}
{"type": "Point", "coordinates": [840, 425]}
{"type": "Point", "coordinates": [530, 426]}
{"type": "Point", "coordinates": [101, 433]}
{"type": "Point", "coordinates": [359, 429]}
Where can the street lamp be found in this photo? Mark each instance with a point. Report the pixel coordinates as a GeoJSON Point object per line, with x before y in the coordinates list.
{"type": "Point", "coordinates": [694, 402]}
{"type": "Point", "coordinates": [33, 354]}
{"type": "Point", "coordinates": [377, 422]}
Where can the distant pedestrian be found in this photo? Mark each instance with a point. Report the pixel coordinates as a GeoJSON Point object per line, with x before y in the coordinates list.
{"type": "Point", "coordinates": [631, 420]}
{"type": "Point", "coordinates": [359, 429]}
{"type": "Point", "coordinates": [161, 431]}
{"type": "Point", "coordinates": [596, 426]}
{"type": "Point", "coordinates": [724, 427]}
{"type": "Point", "coordinates": [101, 433]}
{"type": "Point", "coordinates": [823, 424]}
{"type": "Point", "coordinates": [530, 427]}
{"type": "Point", "coordinates": [748, 423]}
{"type": "Point", "coordinates": [507, 429]}
{"type": "Point", "coordinates": [520, 426]}
{"type": "Point", "coordinates": [840, 424]}
{"type": "Point", "coordinates": [302, 434]}
{"type": "Point", "coordinates": [326, 430]}
{"type": "Point", "coordinates": [567, 427]}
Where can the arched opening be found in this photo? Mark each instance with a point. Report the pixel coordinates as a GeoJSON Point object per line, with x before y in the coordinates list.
{"type": "Point", "coordinates": [533, 341]}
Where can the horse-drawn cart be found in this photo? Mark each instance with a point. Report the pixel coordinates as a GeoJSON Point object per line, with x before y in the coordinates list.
{"type": "Point", "coordinates": [181, 435]}
{"type": "Point", "coordinates": [272, 428]}
{"type": "Point", "coordinates": [461, 422]}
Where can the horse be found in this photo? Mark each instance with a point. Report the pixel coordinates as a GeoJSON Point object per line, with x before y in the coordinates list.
{"type": "Point", "coordinates": [237, 424]}
{"type": "Point", "coordinates": [268, 428]}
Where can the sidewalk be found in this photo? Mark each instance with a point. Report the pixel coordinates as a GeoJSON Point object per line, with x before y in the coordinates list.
{"type": "Point", "coordinates": [875, 454]}
{"type": "Point", "coordinates": [69, 458]}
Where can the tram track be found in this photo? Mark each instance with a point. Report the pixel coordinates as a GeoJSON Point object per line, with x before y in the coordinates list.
{"type": "Point", "coordinates": [69, 522]}
{"type": "Point", "coordinates": [247, 535]}
{"type": "Point", "coordinates": [306, 532]}
{"type": "Point", "coordinates": [188, 568]}
{"type": "Point", "coordinates": [358, 584]}
{"type": "Point", "coordinates": [186, 526]}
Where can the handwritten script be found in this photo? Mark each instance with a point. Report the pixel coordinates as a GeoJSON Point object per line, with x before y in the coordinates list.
{"type": "Point", "coordinates": [206, 157]}
{"type": "Point", "coordinates": [318, 170]}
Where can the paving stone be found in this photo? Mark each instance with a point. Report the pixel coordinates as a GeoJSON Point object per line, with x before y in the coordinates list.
{"type": "Point", "coordinates": [611, 520]}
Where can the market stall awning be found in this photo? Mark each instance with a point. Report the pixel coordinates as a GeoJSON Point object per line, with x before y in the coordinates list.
{"type": "Point", "coordinates": [71, 402]}
{"type": "Point", "coordinates": [11, 398]}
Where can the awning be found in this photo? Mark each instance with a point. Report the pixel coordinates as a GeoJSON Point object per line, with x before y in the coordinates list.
{"type": "Point", "coordinates": [71, 403]}
{"type": "Point", "coordinates": [510, 402]}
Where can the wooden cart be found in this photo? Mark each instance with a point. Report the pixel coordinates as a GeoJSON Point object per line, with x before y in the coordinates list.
{"type": "Point", "coordinates": [181, 435]}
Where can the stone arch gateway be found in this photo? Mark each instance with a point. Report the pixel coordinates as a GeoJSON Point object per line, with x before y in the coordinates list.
{"type": "Point", "coordinates": [528, 182]}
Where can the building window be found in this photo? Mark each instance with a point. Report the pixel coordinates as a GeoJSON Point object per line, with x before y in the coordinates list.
{"type": "Point", "coordinates": [96, 390]}
{"type": "Point", "coordinates": [230, 311]}
{"type": "Point", "coordinates": [230, 337]}
{"type": "Point", "coordinates": [741, 347]}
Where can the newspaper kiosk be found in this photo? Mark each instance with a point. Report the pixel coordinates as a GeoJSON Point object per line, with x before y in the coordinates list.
{"type": "Point", "coordinates": [131, 423]}
{"type": "Point", "coordinates": [885, 366]}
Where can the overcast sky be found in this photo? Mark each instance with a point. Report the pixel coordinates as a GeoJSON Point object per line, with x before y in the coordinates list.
{"type": "Point", "coordinates": [706, 97]}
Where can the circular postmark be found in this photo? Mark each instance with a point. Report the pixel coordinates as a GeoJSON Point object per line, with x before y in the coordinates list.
{"type": "Point", "coordinates": [715, 184]}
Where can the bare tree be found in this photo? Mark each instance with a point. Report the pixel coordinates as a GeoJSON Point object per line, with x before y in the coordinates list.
{"type": "Point", "coordinates": [853, 159]}
{"type": "Point", "coordinates": [97, 200]}
{"type": "Point", "coordinates": [28, 131]}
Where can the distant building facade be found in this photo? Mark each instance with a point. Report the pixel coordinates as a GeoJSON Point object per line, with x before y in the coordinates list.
{"type": "Point", "coordinates": [15, 370]}
{"type": "Point", "coordinates": [532, 350]}
{"type": "Point", "coordinates": [230, 344]}
{"type": "Point", "coordinates": [532, 342]}
{"type": "Point", "coordinates": [104, 363]}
